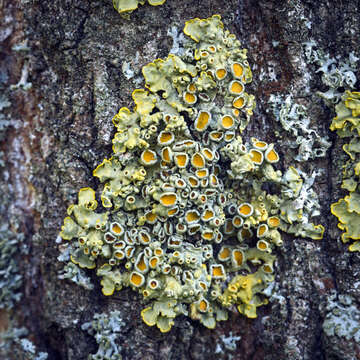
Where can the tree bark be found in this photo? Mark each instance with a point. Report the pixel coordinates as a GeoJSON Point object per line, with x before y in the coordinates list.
{"type": "Point", "coordinates": [64, 84]}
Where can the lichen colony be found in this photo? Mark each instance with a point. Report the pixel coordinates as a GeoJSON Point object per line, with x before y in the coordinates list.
{"type": "Point", "coordinates": [190, 214]}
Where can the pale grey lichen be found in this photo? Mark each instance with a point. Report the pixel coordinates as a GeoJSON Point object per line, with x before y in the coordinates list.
{"type": "Point", "coordinates": [21, 47]}
{"type": "Point", "coordinates": [343, 317]}
{"type": "Point", "coordinates": [106, 329]}
{"type": "Point", "coordinates": [4, 122]}
{"type": "Point", "coordinates": [294, 118]}
{"type": "Point", "coordinates": [336, 72]}
{"type": "Point", "coordinates": [178, 39]}
{"type": "Point", "coordinates": [276, 295]}
{"type": "Point", "coordinates": [127, 71]}
{"type": "Point", "coordinates": [228, 343]}
{"type": "Point", "coordinates": [337, 75]}
{"type": "Point", "coordinates": [10, 237]}
{"type": "Point", "coordinates": [77, 275]}
{"type": "Point", "coordinates": [23, 83]}
{"type": "Point", "coordinates": [4, 103]}
{"type": "Point", "coordinates": [73, 272]}
{"type": "Point", "coordinates": [11, 279]}
{"type": "Point", "coordinates": [308, 199]}
{"type": "Point", "coordinates": [14, 343]}
{"type": "Point", "coordinates": [27, 346]}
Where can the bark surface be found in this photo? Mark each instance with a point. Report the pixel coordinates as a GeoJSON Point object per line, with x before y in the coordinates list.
{"type": "Point", "coordinates": [64, 85]}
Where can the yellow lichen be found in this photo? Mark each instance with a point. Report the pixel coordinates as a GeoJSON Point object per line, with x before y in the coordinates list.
{"type": "Point", "coordinates": [185, 220]}
{"type": "Point", "coordinates": [128, 6]}
{"type": "Point", "coordinates": [202, 121]}
{"type": "Point", "coordinates": [347, 209]}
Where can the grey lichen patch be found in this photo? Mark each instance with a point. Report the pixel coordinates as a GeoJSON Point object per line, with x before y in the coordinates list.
{"type": "Point", "coordinates": [12, 247]}
{"type": "Point", "coordinates": [132, 70]}
{"type": "Point", "coordinates": [10, 277]}
{"type": "Point", "coordinates": [4, 120]}
{"type": "Point", "coordinates": [73, 272]}
{"type": "Point", "coordinates": [127, 71]}
{"type": "Point", "coordinates": [23, 82]}
{"type": "Point", "coordinates": [227, 345]}
{"type": "Point", "coordinates": [294, 119]}
{"type": "Point", "coordinates": [103, 102]}
{"type": "Point", "coordinates": [15, 344]}
{"type": "Point", "coordinates": [178, 40]}
{"type": "Point", "coordinates": [308, 199]}
{"type": "Point", "coordinates": [337, 73]}
{"type": "Point", "coordinates": [276, 296]}
{"type": "Point", "coordinates": [11, 239]}
{"type": "Point", "coordinates": [343, 317]}
{"type": "Point", "coordinates": [106, 329]}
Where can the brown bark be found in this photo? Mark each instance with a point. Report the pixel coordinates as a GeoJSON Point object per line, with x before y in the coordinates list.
{"type": "Point", "coordinates": [61, 130]}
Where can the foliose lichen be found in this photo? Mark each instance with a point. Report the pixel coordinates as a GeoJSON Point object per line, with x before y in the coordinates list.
{"type": "Point", "coordinates": [5, 123]}
{"type": "Point", "coordinates": [106, 328]}
{"type": "Point", "coordinates": [347, 209]}
{"type": "Point", "coordinates": [128, 6]}
{"type": "Point", "coordinates": [10, 277]}
{"type": "Point", "coordinates": [190, 213]}
{"type": "Point", "coordinates": [11, 239]}
{"type": "Point", "coordinates": [14, 343]}
{"type": "Point", "coordinates": [73, 272]}
{"type": "Point", "coordinates": [342, 318]}
{"type": "Point", "coordinates": [337, 74]}
{"type": "Point", "coordinates": [294, 119]}
{"type": "Point", "coordinates": [227, 345]}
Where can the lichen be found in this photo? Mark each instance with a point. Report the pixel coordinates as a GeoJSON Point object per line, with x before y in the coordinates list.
{"type": "Point", "coordinates": [12, 246]}
{"type": "Point", "coordinates": [190, 214]}
{"type": "Point", "coordinates": [23, 81]}
{"type": "Point", "coordinates": [77, 275]}
{"type": "Point", "coordinates": [227, 345]}
{"type": "Point", "coordinates": [342, 318]}
{"type": "Point", "coordinates": [14, 343]}
{"type": "Point", "coordinates": [106, 329]}
{"type": "Point", "coordinates": [125, 7]}
{"type": "Point", "coordinates": [11, 280]}
{"type": "Point", "coordinates": [294, 119]}
{"type": "Point", "coordinates": [71, 271]}
{"type": "Point", "coordinates": [337, 74]}
{"type": "Point", "coordinates": [347, 209]}
{"type": "Point", "coordinates": [4, 121]}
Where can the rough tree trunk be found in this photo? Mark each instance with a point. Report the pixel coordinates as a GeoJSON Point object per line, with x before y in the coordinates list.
{"type": "Point", "coordinates": [60, 90]}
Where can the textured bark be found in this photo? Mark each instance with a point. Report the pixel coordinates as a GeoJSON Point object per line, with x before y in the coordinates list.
{"type": "Point", "coordinates": [62, 130]}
